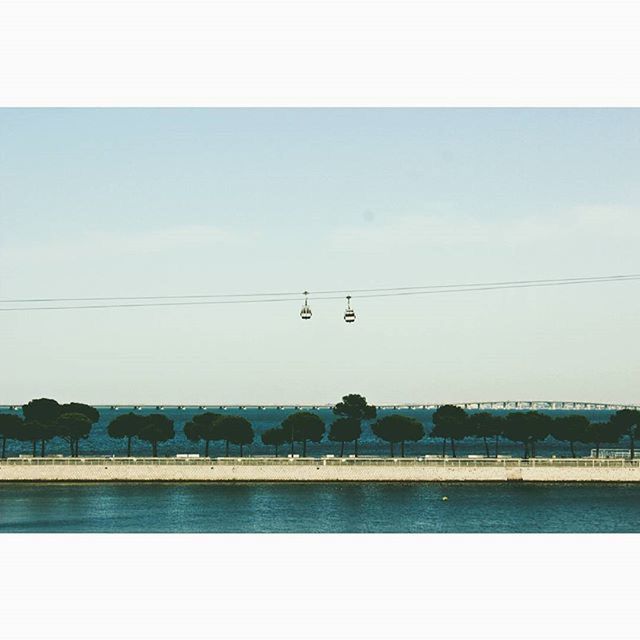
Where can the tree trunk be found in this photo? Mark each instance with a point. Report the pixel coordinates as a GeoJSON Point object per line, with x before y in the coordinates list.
{"type": "Point", "coordinates": [355, 448]}
{"type": "Point", "coordinates": [304, 448]}
{"type": "Point", "coordinates": [526, 449]}
{"type": "Point", "coordinates": [241, 450]}
{"type": "Point", "coordinates": [342, 449]}
{"type": "Point", "coordinates": [573, 451]}
{"type": "Point", "coordinates": [291, 450]}
{"type": "Point", "coordinates": [154, 449]}
{"type": "Point", "coordinates": [226, 448]}
{"type": "Point", "coordinates": [129, 446]}
{"type": "Point", "coordinates": [42, 448]}
{"type": "Point", "coordinates": [402, 449]}
{"type": "Point", "coordinates": [453, 447]}
{"type": "Point", "coordinates": [597, 449]}
{"type": "Point", "coordinates": [77, 446]}
{"type": "Point", "coordinates": [633, 445]}
{"type": "Point", "coordinates": [444, 447]}
{"type": "Point", "coordinates": [533, 448]}
{"type": "Point", "coordinates": [391, 445]}
{"type": "Point", "coordinates": [71, 448]}
{"type": "Point", "coordinates": [486, 446]}
{"type": "Point", "coordinates": [34, 448]}
{"type": "Point", "coordinates": [276, 446]}
{"type": "Point", "coordinates": [206, 448]}
{"type": "Point", "coordinates": [4, 445]}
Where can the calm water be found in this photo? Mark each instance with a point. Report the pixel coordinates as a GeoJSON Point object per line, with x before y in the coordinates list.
{"type": "Point", "coordinates": [319, 508]}
{"type": "Point", "coordinates": [100, 443]}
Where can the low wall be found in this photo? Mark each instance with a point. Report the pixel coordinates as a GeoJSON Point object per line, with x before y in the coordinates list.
{"type": "Point", "coordinates": [316, 470]}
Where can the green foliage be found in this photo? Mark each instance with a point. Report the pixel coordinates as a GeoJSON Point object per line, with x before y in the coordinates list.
{"type": "Point", "coordinates": [238, 431]}
{"type": "Point", "coordinates": [625, 423]}
{"type": "Point", "coordinates": [302, 427]}
{"type": "Point", "coordinates": [72, 427]}
{"type": "Point", "coordinates": [235, 430]}
{"type": "Point", "coordinates": [528, 427]}
{"type": "Point", "coordinates": [205, 426]}
{"type": "Point", "coordinates": [274, 437]}
{"type": "Point", "coordinates": [156, 428]}
{"type": "Point", "coordinates": [398, 428]}
{"type": "Point", "coordinates": [127, 425]}
{"type": "Point", "coordinates": [571, 429]}
{"type": "Point", "coordinates": [10, 426]}
{"type": "Point", "coordinates": [485, 425]}
{"type": "Point", "coordinates": [43, 410]}
{"type": "Point", "coordinates": [355, 406]}
{"type": "Point", "coordinates": [450, 422]}
{"type": "Point", "coordinates": [86, 410]}
{"type": "Point", "coordinates": [345, 430]}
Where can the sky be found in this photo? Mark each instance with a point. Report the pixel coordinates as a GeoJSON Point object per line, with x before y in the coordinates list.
{"type": "Point", "coordinates": [141, 202]}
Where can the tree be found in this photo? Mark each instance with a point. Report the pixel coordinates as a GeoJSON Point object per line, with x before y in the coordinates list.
{"type": "Point", "coordinates": [42, 410]}
{"type": "Point", "coordinates": [345, 430]}
{"type": "Point", "coordinates": [626, 422]}
{"type": "Point", "coordinates": [10, 426]}
{"type": "Point", "coordinates": [450, 422]}
{"type": "Point", "coordinates": [303, 426]}
{"type": "Point", "coordinates": [72, 427]}
{"type": "Point", "coordinates": [233, 429]}
{"type": "Point", "coordinates": [486, 425]}
{"type": "Point", "coordinates": [274, 437]}
{"type": "Point", "coordinates": [527, 427]}
{"type": "Point", "coordinates": [398, 428]}
{"type": "Point", "coordinates": [86, 410]}
{"type": "Point", "coordinates": [34, 432]}
{"type": "Point", "coordinates": [41, 415]}
{"type": "Point", "coordinates": [239, 431]}
{"type": "Point", "coordinates": [355, 407]}
{"type": "Point", "coordinates": [127, 425]}
{"type": "Point", "coordinates": [571, 429]}
{"type": "Point", "coordinates": [204, 427]}
{"type": "Point", "coordinates": [600, 432]}
{"type": "Point", "coordinates": [156, 428]}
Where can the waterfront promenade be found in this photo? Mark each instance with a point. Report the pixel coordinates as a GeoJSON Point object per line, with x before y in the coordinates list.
{"type": "Point", "coordinates": [325, 469]}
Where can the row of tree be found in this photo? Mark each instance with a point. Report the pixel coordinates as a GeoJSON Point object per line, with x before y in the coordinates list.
{"type": "Point", "coordinates": [453, 424]}
{"type": "Point", "coordinates": [45, 419]}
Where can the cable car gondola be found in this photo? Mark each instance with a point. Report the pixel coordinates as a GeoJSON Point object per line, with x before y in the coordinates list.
{"type": "Point", "coordinates": [305, 312]}
{"type": "Point", "coordinates": [349, 314]}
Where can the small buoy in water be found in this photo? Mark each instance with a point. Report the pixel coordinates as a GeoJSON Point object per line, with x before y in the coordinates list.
{"type": "Point", "coordinates": [444, 498]}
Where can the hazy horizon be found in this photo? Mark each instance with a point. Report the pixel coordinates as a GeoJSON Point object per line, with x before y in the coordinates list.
{"type": "Point", "coordinates": [139, 202]}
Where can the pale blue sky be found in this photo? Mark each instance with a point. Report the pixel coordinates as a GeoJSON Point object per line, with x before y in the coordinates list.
{"type": "Point", "coordinates": [172, 201]}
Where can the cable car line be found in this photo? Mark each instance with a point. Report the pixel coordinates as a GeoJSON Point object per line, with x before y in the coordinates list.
{"type": "Point", "coordinates": [633, 276]}
{"type": "Point", "coordinates": [306, 310]}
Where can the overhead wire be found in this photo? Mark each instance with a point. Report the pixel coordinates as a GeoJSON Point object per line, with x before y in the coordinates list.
{"type": "Point", "coordinates": [245, 298]}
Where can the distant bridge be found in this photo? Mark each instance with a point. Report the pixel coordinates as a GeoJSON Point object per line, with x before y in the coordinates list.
{"type": "Point", "coordinates": [501, 405]}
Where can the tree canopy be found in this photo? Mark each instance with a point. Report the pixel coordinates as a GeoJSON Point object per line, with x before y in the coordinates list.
{"type": "Point", "coordinates": [571, 429]}
{"type": "Point", "coordinates": [354, 407]}
{"type": "Point", "coordinates": [528, 427]}
{"type": "Point", "coordinates": [274, 437]}
{"type": "Point", "coordinates": [10, 426]}
{"type": "Point", "coordinates": [626, 422]}
{"type": "Point", "coordinates": [205, 427]}
{"type": "Point", "coordinates": [345, 430]}
{"type": "Point", "coordinates": [398, 428]}
{"type": "Point", "coordinates": [303, 426]}
{"type": "Point", "coordinates": [450, 422]}
{"type": "Point", "coordinates": [235, 430]}
{"type": "Point", "coordinates": [127, 425]}
{"type": "Point", "coordinates": [156, 428]}
{"type": "Point", "coordinates": [72, 427]}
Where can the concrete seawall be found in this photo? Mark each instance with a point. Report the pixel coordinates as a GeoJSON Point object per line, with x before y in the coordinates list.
{"type": "Point", "coordinates": [316, 470]}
